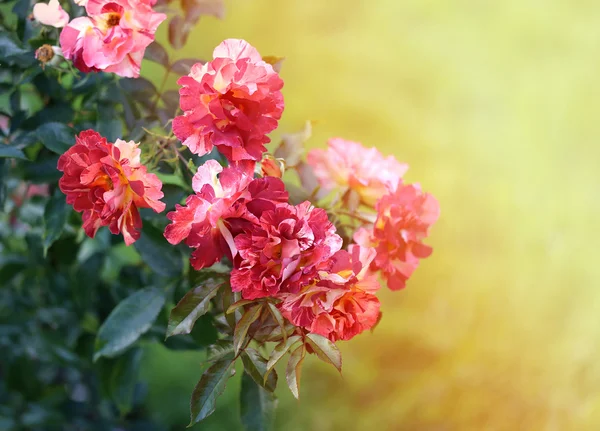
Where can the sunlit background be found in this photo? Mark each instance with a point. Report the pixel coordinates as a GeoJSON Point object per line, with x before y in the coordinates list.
{"type": "Point", "coordinates": [495, 106]}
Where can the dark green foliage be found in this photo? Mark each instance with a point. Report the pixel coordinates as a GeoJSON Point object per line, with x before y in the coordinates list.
{"type": "Point", "coordinates": [75, 311]}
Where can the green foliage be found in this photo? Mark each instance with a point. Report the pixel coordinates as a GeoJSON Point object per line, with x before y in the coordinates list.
{"type": "Point", "coordinates": [192, 306]}
{"type": "Point", "coordinates": [257, 406]}
{"type": "Point", "coordinates": [130, 319]}
{"type": "Point", "coordinates": [211, 385]}
{"type": "Point", "coordinates": [75, 310]}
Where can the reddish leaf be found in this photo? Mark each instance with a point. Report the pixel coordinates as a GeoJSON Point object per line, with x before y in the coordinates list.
{"type": "Point", "coordinates": [256, 367]}
{"type": "Point", "coordinates": [294, 370]}
{"type": "Point", "coordinates": [279, 352]}
{"type": "Point", "coordinates": [211, 385]}
{"type": "Point", "coordinates": [194, 304]}
{"type": "Point", "coordinates": [325, 349]}
{"type": "Point", "coordinates": [241, 329]}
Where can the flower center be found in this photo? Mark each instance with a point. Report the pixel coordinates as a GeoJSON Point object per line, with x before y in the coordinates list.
{"type": "Point", "coordinates": [113, 19]}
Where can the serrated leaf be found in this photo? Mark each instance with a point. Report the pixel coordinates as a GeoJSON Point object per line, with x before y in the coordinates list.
{"type": "Point", "coordinates": [194, 304]}
{"type": "Point", "coordinates": [184, 66]}
{"type": "Point", "coordinates": [256, 366]}
{"type": "Point", "coordinates": [278, 318]}
{"type": "Point", "coordinates": [219, 350]}
{"type": "Point", "coordinates": [257, 406]}
{"type": "Point", "coordinates": [279, 352]}
{"type": "Point", "coordinates": [56, 214]}
{"type": "Point", "coordinates": [209, 388]}
{"type": "Point", "coordinates": [293, 371]}
{"type": "Point", "coordinates": [227, 298]}
{"type": "Point", "coordinates": [236, 305]}
{"type": "Point", "coordinates": [130, 318]}
{"type": "Point", "coordinates": [271, 331]}
{"type": "Point", "coordinates": [57, 137]}
{"type": "Point", "coordinates": [241, 329]}
{"type": "Point", "coordinates": [156, 53]}
{"type": "Point", "coordinates": [325, 349]}
{"type": "Point", "coordinates": [154, 249]}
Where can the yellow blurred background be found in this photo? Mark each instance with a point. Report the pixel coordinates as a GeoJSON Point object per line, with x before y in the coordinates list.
{"type": "Point", "coordinates": [495, 107]}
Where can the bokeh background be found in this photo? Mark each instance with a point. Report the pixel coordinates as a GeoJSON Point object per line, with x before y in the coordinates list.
{"type": "Point", "coordinates": [495, 106]}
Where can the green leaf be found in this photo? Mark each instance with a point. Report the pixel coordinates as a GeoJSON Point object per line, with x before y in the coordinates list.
{"type": "Point", "coordinates": [57, 137]}
{"type": "Point", "coordinates": [131, 318]}
{"type": "Point", "coordinates": [205, 331]}
{"type": "Point", "coordinates": [43, 171]}
{"type": "Point", "coordinates": [108, 123]}
{"type": "Point", "coordinates": [194, 304]}
{"type": "Point", "coordinates": [161, 256]}
{"type": "Point", "coordinates": [326, 350]}
{"type": "Point", "coordinates": [256, 366]}
{"type": "Point", "coordinates": [156, 53]}
{"type": "Point", "coordinates": [11, 51]}
{"type": "Point", "coordinates": [141, 88]}
{"type": "Point", "coordinates": [11, 151]}
{"type": "Point", "coordinates": [227, 298]}
{"type": "Point", "coordinates": [11, 266]}
{"type": "Point", "coordinates": [119, 378]}
{"type": "Point", "coordinates": [294, 371]}
{"type": "Point", "coordinates": [271, 331]}
{"type": "Point", "coordinates": [241, 329]}
{"type": "Point", "coordinates": [279, 351]}
{"type": "Point", "coordinates": [209, 388]}
{"type": "Point", "coordinates": [173, 179]}
{"type": "Point", "coordinates": [257, 406]}
{"type": "Point", "coordinates": [56, 215]}
{"type": "Point", "coordinates": [219, 350]}
{"type": "Point", "coordinates": [278, 318]}
{"type": "Point", "coordinates": [236, 305]}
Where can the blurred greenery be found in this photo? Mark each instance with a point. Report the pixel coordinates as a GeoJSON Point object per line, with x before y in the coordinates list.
{"type": "Point", "coordinates": [494, 105]}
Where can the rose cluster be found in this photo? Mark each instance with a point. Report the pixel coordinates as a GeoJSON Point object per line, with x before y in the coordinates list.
{"type": "Point", "coordinates": [320, 279]}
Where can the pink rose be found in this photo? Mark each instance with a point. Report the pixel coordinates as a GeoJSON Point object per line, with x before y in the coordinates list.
{"type": "Point", "coordinates": [403, 221]}
{"type": "Point", "coordinates": [50, 14]}
{"type": "Point", "coordinates": [226, 200]}
{"type": "Point", "coordinates": [348, 165]}
{"type": "Point", "coordinates": [282, 251]}
{"type": "Point", "coordinates": [341, 303]}
{"type": "Point", "coordinates": [112, 38]}
{"type": "Point", "coordinates": [231, 102]}
{"type": "Point", "coordinates": [108, 184]}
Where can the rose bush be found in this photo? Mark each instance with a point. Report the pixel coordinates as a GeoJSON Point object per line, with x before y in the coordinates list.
{"type": "Point", "coordinates": [270, 268]}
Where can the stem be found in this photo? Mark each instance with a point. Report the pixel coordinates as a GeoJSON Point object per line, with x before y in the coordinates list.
{"type": "Point", "coordinates": [185, 162]}
{"type": "Point", "coordinates": [161, 88]}
{"type": "Point", "coordinates": [354, 216]}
